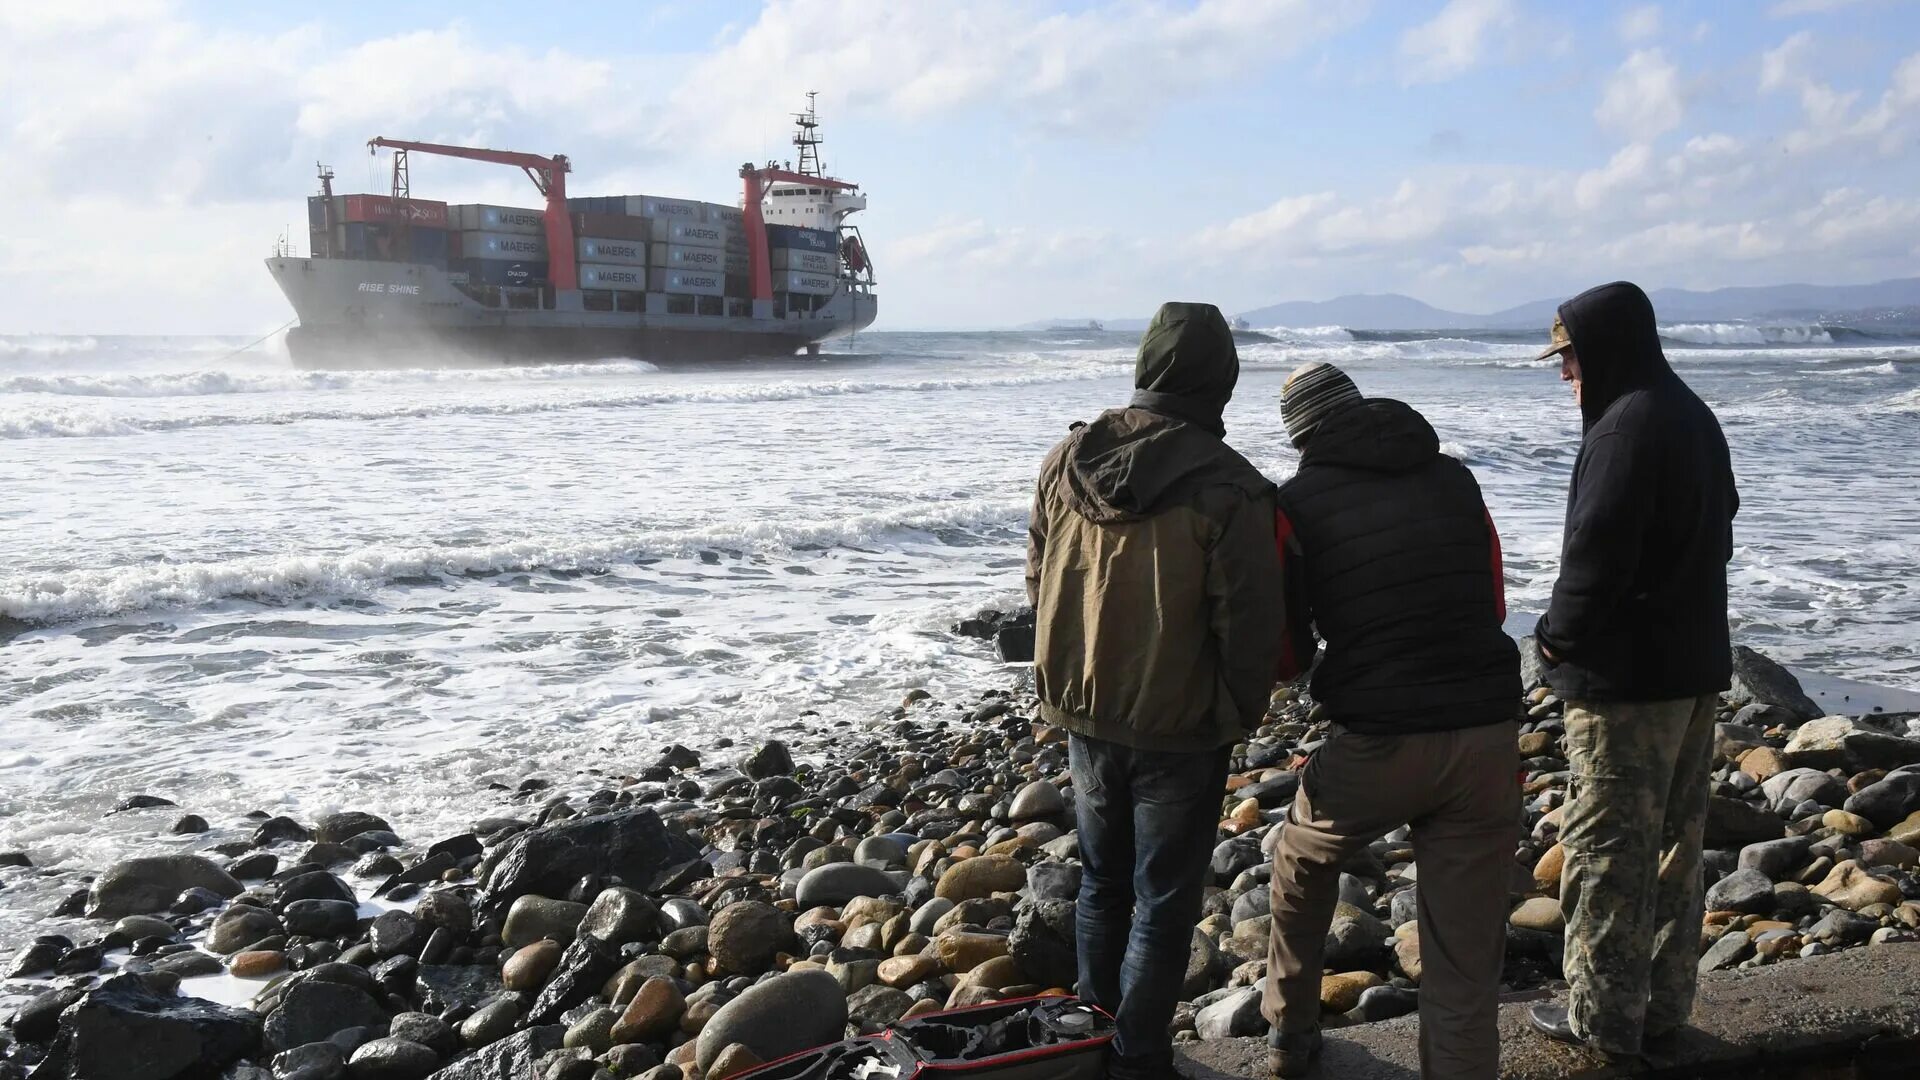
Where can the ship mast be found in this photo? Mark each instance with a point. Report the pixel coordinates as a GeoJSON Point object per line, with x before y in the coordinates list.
{"type": "Point", "coordinates": [807, 138]}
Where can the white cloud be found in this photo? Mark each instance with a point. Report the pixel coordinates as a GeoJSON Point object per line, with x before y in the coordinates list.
{"type": "Point", "coordinates": [1452, 41]}
{"type": "Point", "coordinates": [1786, 8]}
{"type": "Point", "coordinates": [1643, 98]}
{"type": "Point", "coordinates": [1640, 23]}
{"type": "Point", "coordinates": [1100, 69]}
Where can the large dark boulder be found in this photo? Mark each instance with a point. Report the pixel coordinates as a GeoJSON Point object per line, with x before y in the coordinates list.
{"type": "Point", "coordinates": [454, 986]}
{"type": "Point", "coordinates": [317, 1010]}
{"type": "Point", "coordinates": [782, 1015]}
{"type": "Point", "coordinates": [1042, 943]}
{"type": "Point", "coordinates": [632, 846]}
{"type": "Point", "coordinates": [1759, 681]}
{"type": "Point", "coordinates": [511, 1058]}
{"type": "Point", "coordinates": [142, 886]}
{"type": "Point", "coordinates": [123, 1029]}
{"type": "Point", "coordinates": [1735, 823]}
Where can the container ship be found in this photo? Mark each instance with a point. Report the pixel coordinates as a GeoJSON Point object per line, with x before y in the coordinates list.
{"type": "Point", "coordinates": [391, 279]}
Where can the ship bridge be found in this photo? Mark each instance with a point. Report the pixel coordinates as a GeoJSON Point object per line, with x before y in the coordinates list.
{"type": "Point", "coordinates": [810, 206]}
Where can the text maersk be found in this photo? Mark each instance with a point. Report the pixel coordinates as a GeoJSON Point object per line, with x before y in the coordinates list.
{"type": "Point", "coordinates": [395, 289]}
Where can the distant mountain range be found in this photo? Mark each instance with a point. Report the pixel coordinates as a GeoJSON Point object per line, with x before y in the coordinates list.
{"type": "Point", "coordinates": [1392, 311]}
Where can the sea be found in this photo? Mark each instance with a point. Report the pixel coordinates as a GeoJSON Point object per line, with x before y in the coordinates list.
{"type": "Point", "coordinates": [243, 586]}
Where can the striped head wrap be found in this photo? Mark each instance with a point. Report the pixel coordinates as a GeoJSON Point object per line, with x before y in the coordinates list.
{"type": "Point", "coordinates": [1313, 393]}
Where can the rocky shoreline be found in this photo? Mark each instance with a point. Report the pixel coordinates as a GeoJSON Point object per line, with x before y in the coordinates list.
{"type": "Point", "coordinates": [686, 918]}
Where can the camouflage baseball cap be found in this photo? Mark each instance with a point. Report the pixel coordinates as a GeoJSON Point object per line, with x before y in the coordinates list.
{"type": "Point", "coordinates": [1562, 341]}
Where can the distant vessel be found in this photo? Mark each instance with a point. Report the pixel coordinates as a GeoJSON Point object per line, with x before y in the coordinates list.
{"type": "Point", "coordinates": [635, 276]}
{"type": "Point", "coordinates": [1090, 324]}
{"type": "Point", "coordinates": [1242, 324]}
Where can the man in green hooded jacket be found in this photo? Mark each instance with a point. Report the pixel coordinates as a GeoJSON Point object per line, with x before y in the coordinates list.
{"type": "Point", "coordinates": [1154, 572]}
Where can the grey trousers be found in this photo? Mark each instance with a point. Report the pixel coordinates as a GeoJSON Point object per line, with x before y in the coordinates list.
{"type": "Point", "coordinates": [1459, 790]}
{"type": "Point", "coordinates": [1631, 888]}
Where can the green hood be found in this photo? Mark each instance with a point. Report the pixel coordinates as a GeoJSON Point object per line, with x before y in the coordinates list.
{"type": "Point", "coordinates": [1187, 366]}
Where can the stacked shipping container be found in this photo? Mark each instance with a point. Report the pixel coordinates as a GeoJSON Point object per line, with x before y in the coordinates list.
{"type": "Point", "coordinates": [624, 243]}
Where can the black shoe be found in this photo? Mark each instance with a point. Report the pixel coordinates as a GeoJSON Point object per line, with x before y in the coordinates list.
{"type": "Point", "coordinates": [1291, 1054]}
{"type": "Point", "coordinates": [1553, 1022]}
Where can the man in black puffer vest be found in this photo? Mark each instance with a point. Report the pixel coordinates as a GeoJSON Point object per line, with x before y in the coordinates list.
{"type": "Point", "coordinates": [1391, 556]}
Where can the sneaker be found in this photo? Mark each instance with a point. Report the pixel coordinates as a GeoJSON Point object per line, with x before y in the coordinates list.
{"type": "Point", "coordinates": [1292, 1053]}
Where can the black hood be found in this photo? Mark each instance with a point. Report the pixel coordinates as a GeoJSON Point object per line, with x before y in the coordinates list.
{"type": "Point", "coordinates": [1378, 434]}
{"type": "Point", "coordinates": [1187, 365]}
{"type": "Point", "coordinates": [1617, 342]}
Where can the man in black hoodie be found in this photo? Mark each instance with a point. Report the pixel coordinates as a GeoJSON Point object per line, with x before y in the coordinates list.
{"type": "Point", "coordinates": [1392, 557]}
{"type": "Point", "coordinates": [1152, 569]}
{"type": "Point", "coordinates": [1637, 643]}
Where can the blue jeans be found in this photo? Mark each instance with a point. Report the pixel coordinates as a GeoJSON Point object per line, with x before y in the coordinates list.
{"type": "Point", "coordinates": [1147, 822]}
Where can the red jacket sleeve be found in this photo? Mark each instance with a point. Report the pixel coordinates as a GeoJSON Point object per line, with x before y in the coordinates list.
{"type": "Point", "coordinates": [1499, 569]}
{"type": "Point", "coordinates": [1297, 644]}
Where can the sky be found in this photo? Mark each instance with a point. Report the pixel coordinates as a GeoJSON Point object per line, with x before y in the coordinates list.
{"type": "Point", "coordinates": [1022, 160]}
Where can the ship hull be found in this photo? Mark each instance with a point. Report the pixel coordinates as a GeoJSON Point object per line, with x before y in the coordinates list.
{"type": "Point", "coordinates": [356, 314]}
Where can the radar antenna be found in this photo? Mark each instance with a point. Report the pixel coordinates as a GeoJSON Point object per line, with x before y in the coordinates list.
{"type": "Point", "coordinates": [807, 138]}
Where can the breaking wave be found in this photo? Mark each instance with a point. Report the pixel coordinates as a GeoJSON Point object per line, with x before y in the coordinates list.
{"type": "Point", "coordinates": [50, 599]}
{"type": "Point", "coordinates": [46, 346]}
{"type": "Point", "coordinates": [214, 382]}
{"type": "Point", "coordinates": [35, 422]}
{"type": "Point", "coordinates": [1744, 334]}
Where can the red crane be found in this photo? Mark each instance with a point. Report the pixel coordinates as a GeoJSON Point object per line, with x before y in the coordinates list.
{"type": "Point", "coordinates": [549, 174]}
{"type": "Point", "coordinates": [756, 181]}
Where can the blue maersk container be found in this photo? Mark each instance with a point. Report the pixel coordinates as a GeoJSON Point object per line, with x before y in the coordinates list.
{"type": "Point", "coordinates": [793, 236]}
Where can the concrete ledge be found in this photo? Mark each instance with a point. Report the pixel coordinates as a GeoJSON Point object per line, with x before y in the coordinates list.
{"type": "Point", "coordinates": [1851, 1014]}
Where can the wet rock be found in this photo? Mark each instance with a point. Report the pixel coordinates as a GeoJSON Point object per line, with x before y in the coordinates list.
{"type": "Point", "coordinates": [533, 918]}
{"type": "Point", "coordinates": [1759, 681]}
{"type": "Point", "coordinates": [620, 915]}
{"type": "Point", "coordinates": [654, 1011]}
{"type": "Point", "coordinates": [396, 933]}
{"type": "Point", "coordinates": [585, 967]}
{"type": "Point", "coordinates": [429, 1031]}
{"type": "Point", "coordinates": [780, 1016]}
{"type": "Point", "coordinates": [341, 827]}
{"type": "Point", "coordinates": [316, 885]}
{"type": "Point", "coordinates": [277, 830]}
{"type": "Point", "coordinates": [744, 937]}
{"type": "Point", "coordinates": [528, 968]}
{"type": "Point", "coordinates": [315, 1010]}
{"type": "Point", "coordinates": [139, 802]}
{"type": "Point", "coordinates": [511, 1058]}
{"type": "Point", "coordinates": [321, 918]}
{"type": "Point", "coordinates": [38, 956]}
{"type": "Point", "coordinates": [256, 965]}
{"type": "Point", "coordinates": [430, 868]}
{"type": "Point", "coordinates": [446, 987]}
{"type": "Point", "coordinates": [187, 965]}
{"type": "Point", "coordinates": [447, 910]}
{"type": "Point", "coordinates": [631, 845]}
{"type": "Point", "coordinates": [314, 1061]}
{"type": "Point", "coordinates": [141, 886]}
{"type": "Point", "coordinates": [493, 1021]}
{"type": "Point", "coordinates": [772, 759]}
{"type": "Point", "coordinates": [392, 1059]}
{"type": "Point", "coordinates": [1749, 892]}
{"type": "Point", "coordinates": [125, 1030]}
{"type": "Point", "coordinates": [190, 825]}
{"type": "Point", "coordinates": [836, 883]}
{"type": "Point", "coordinates": [239, 926]}
{"type": "Point", "coordinates": [39, 1019]}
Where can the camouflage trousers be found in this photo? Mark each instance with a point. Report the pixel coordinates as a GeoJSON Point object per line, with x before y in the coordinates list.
{"type": "Point", "coordinates": [1631, 888]}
